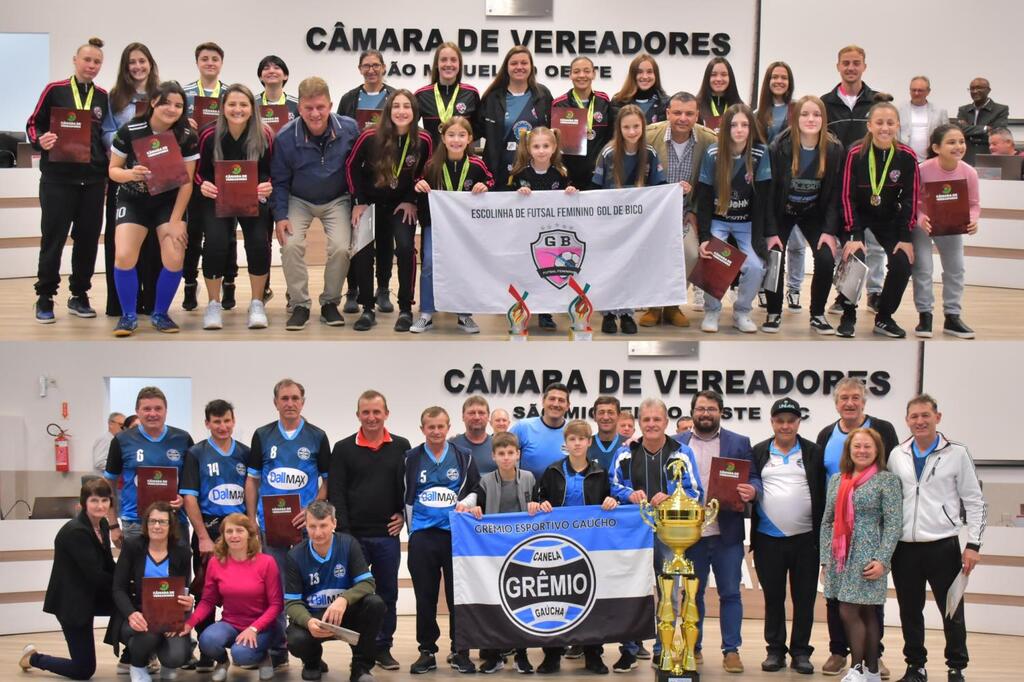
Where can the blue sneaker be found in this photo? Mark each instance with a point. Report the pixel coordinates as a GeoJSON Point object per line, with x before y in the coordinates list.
{"type": "Point", "coordinates": [44, 310]}
{"type": "Point", "coordinates": [126, 326]}
{"type": "Point", "coordinates": [163, 323]}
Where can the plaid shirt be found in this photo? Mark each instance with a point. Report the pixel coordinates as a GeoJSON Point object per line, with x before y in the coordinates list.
{"type": "Point", "coordinates": [680, 168]}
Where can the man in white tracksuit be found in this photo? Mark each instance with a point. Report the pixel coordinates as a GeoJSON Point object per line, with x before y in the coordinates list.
{"type": "Point", "coordinates": [938, 477]}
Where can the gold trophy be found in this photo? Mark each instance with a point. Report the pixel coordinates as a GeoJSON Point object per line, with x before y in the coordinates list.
{"type": "Point", "coordinates": [678, 522]}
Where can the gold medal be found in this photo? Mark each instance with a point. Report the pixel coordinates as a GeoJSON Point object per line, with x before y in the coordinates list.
{"type": "Point", "coordinates": [875, 200]}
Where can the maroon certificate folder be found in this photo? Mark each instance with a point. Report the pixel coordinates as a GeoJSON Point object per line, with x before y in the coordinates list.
{"type": "Point", "coordinates": [73, 128]}
{"type": "Point", "coordinates": [713, 122]}
{"type": "Point", "coordinates": [274, 115]}
{"type": "Point", "coordinates": [725, 475]}
{"type": "Point", "coordinates": [571, 124]}
{"type": "Point", "coordinates": [162, 156]}
{"type": "Point", "coordinates": [206, 110]}
{"type": "Point", "coordinates": [367, 118]}
{"type": "Point", "coordinates": [278, 512]}
{"type": "Point", "coordinates": [160, 605]}
{"type": "Point", "coordinates": [141, 107]}
{"type": "Point", "coordinates": [236, 189]}
{"type": "Point", "coordinates": [155, 484]}
{"type": "Point", "coordinates": [714, 275]}
{"type": "Point", "coordinates": [946, 204]}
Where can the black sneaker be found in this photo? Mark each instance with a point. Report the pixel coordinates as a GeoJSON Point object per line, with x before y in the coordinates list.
{"type": "Point", "coordinates": [523, 665]}
{"type": "Point", "coordinates": [773, 663]}
{"type": "Point", "coordinates": [311, 672]}
{"type": "Point", "coordinates": [44, 310]}
{"type": "Point", "coordinates": [642, 653]}
{"type": "Point", "coordinates": [762, 299]}
{"type": "Point", "coordinates": [821, 325]}
{"type": "Point", "coordinates": [593, 663]}
{"type": "Point", "coordinates": [491, 665]}
{"type": "Point", "coordinates": [79, 306]}
{"type": "Point", "coordinates": [954, 675]}
{"type": "Point", "coordinates": [551, 664]}
{"type": "Point", "coordinates": [331, 316]}
{"type": "Point", "coordinates": [772, 324]}
{"type": "Point", "coordinates": [793, 300]}
{"type": "Point", "coordinates": [461, 664]}
{"type": "Point", "coordinates": [360, 674]}
{"type": "Point", "coordinates": [351, 304]}
{"type": "Point", "coordinates": [227, 298]}
{"type": "Point", "coordinates": [888, 327]}
{"type": "Point", "coordinates": [365, 321]}
{"type": "Point", "coordinates": [873, 300]}
{"type": "Point", "coordinates": [385, 660]}
{"type": "Point", "coordinates": [383, 300]}
{"type": "Point", "coordinates": [424, 664]}
{"type": "Point", "coordinates": [802, 664]}
{"type": "Point", "coordinates": [954, 326]}
{"type": "Point", "coordinates": [573, 652]}
{"type": "Point", "coordinates": [626, 662]}
{"type": "Point", "coordinates": [190, 665]}
{"type": "Point", "coordinates": [608, 326]}
{"type": "Point", "coordinates": [914, 674]}
{"type": "Point", "coordinates": [627, 324]}
{"type": "Point", "coordinates": [190, 302]}
{"type": "Point", "coordinates": [848, 324]}
{"type": "Point", "coordinates": [924, 326]}
{"type": "Point", "coordinates": [204, 664]}
{"type": "Point", "coordinates": [279, 659]}
{"type": "Point", "coordinates": [545, 321]}
{"type": "Point", "coordinates": [268, 293]}
{"type": "Point", "coordinates": [298, 319]}
{"type": "Point", "coordinates": [404, 321]}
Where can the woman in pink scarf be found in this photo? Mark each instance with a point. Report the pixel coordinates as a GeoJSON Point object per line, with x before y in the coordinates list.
{"type": "Point", "coordinates": [862, 523]}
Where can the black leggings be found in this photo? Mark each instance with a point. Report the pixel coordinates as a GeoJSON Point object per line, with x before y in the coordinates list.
{"type": "Point", "coordinates": [897, 274]}
{"type": "Point", "coordinates": [405, 251]}
{"type": "Point", "coordinates": [824, 265]}
{"type": "Point", "coordinates": [862, 632]}
{"type": "Point", "coordinates": [194, 246]}
{"type": "Point", "coordinates": [81, 647]}
{"type": "Point", "coordinates": [219, 240]}
{"type": "Point", "coordinates": [173, 652]}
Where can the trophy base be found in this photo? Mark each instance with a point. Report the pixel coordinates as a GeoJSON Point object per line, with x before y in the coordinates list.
{"type": "Point", "coordinates": [577, 335]}
{"type": "Point", "coordinates": [669, 676]}
{"type": "Point", "coordinates": [518, 337]}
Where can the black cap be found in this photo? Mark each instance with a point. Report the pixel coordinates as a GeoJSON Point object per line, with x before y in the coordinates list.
{"type": "Point", "coordinates": [786, 405]}
{"type": "Point", "coordinates": [271, 59]}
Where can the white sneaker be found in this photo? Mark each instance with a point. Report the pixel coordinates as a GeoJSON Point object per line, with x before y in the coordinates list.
{"type": "Point", "coordinates": [139, 674]}
{"type": "Point", "coordinates": [698, 299]}
{"type": "Point", "coordinates": [743, 322]}
{"type": "Point", "coordinates": [266, 669]}
{"type": "Point", "coordinates": [220, 672]}
{"type": "Point", "coordinates": [424, 324]}
{"type": "Point", "coordinates": [468, 324]}
{"type": "Point", "coordinates": [854, 674]}
{"type": "Point", "coordinates": [257, 315]}
{"type": "Point", "coordinates": [212, 316]}
{"type": "Point", "coordinates": [26, 656]}
{"type": "Point", "coordinates": [873, 676]}
{"type": "Point", "coordinates": [710, 322]}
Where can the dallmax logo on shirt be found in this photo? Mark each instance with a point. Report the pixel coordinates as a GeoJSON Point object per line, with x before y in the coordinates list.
{"type": "Point", "coordinates": [438, 497]}
{"type": "Point", "coordinates": [227, 494]}
{"type": "Point", "coordinates": [287, 478]}
{"type": "Point", "coordinates": [323, 598]}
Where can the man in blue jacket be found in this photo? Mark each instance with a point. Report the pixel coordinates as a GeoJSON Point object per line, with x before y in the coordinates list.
{"type": "Point", "coordinates": [308, 170]}
{"type": "Point", "coordinates": [721, 547]}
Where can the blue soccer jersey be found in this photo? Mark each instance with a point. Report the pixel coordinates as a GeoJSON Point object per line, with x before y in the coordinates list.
{"type": "Point", "coordinates": [319, 580]}
{"type": "Point", "coordinates": [541, 445]}
{"type": "Point", "coordinates": [134, 448]}
{"type": "Point", "coordinates": [216, 478]}
{"type": "Point", "coordinates": [287, 464]}
{"type": "Point", "coordinates": [438, 482]}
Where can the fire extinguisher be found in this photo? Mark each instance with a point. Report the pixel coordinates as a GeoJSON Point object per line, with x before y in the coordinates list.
{"type": "Point", "coordinates": [61, 447]}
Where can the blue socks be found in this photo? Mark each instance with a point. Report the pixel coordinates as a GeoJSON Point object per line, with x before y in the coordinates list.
{"type": "Point", "coordinates": [127, 284]}
{"type": "Point", "coordinates": [166, 287]}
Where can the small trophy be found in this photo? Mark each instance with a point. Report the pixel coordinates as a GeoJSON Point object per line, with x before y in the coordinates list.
{"type": "Point", "coordinates": [518, 316]}
{"type": "Point", "coordinates": [580, 310]}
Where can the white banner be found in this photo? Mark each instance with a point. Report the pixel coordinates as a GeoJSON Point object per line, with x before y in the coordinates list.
{"type": "Point", "coordinates": [627, 244]}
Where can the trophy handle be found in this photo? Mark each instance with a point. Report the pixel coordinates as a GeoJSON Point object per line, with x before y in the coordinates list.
{"type": "Point", "coordinates": [647, 514]}
{"type": "Point", "coordinates": [710, 513]}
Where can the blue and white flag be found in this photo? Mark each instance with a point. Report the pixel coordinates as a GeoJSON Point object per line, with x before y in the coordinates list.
{"type": "Point", "coordinates": [576, 575]}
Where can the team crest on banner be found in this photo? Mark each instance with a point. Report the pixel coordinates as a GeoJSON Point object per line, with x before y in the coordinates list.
{"type": "Point", "coordinates": [558, 255]}
{"type": "Point", "coordinates": [548, 585]}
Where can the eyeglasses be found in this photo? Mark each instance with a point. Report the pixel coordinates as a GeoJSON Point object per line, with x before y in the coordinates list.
{"type": "Point", "coordinates": [371, 67]}
{"type": "Point", "coordinates": [705, 410]}
{"type": "Point", "coordinates": [158, 522]}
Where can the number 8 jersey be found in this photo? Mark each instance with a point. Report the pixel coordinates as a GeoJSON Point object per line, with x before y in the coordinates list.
{"type": "Point", "coordinates": [289, 463]}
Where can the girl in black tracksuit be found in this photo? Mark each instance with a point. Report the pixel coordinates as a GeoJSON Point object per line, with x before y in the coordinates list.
{"type": "Point", "coordinates": [383, 167]}
{"type": "Point", "coordinates": [880, 186]}
{"type": "Point", "coordinates": [446, 95]}
{"type": "Point", "coordinates": [808, 197]}
{"type": "Point", "coordinates": [600, 119]}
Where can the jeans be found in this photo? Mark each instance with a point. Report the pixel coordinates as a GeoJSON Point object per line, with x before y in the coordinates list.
{"type": "Point", "coordinates": [219, 637]}
{"type": "Point", "coordinates": [796, 247]}
{"type": "Point", "coordinates": [426, 271]}
{"type": "Point", "coordinates": [726, 560]}
{"type": "Point", "coordinates": [384, 555]}
{"type": "Point", "coordinates": [951, 254]}
{"type": "Point", "coordinates": [336, 218]}
{"type": "Point", "coordinates": [751, 272]}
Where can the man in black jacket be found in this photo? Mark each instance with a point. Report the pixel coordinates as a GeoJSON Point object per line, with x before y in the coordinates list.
{"type": "Point", "coordinates": [851, 398]}
{"type": "Point", "coordinates": [979, 117]}
{"type": "Point", "coordinates": [785, 523]}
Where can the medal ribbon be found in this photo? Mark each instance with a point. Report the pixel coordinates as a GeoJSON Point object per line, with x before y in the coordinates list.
{"type": "Point", "coordinates": [714, 109]}
{"type": "Point", "coordinates": [445, 112]}
{"type": "Point", "coordinates": [590, 109]}
{"type": "Point", "coordinates": [78, 98]}
{"type": "Point", "coordinates": [401, 161]}
{"type": "Point", "coordinates": [878, 183]}
{"type": "Point", "coordinates": [216, 91]}
{"type": "Point", "coordinates": [448, 179]}
{"type": "Point", "coordinates": [283, 100]}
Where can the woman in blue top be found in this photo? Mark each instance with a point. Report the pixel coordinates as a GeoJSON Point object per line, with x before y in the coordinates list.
{"type": "Point", "coordinates": [732, 201]}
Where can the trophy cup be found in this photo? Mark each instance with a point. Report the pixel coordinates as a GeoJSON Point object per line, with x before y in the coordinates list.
{"type": "Point", "coordinates": [580, 310]}
{"type": "Point", "coordinates": [518, 316]}
{"type": "Point", "coordinates": [678, 522]}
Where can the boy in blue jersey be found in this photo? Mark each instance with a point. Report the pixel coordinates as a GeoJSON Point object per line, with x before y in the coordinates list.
{"type": "Point", "coordinates": [287, 456]}
{"type": "Point", "coordinates": [540, 438]}
{"type": "Point", "coordinates": [437, 475]}
{"type": "Point", "coordinates": [213, 486]}
{"type": "Point", "coordinates": [151, 444]}
{"type": "Point", "coordinates": [327, 580]}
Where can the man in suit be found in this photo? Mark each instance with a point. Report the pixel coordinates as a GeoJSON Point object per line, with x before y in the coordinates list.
{"type": "Point", "coordinates": [979, 117]}
{"type": "Point", "coordinates": [919, 117]}
{"type": "Point", "coordinates": [721, 546]}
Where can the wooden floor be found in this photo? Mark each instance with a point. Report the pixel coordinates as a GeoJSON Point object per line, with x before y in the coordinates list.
{"type": "Point", "coordinates": [993, 658]}
{"type": "Point", "coordinates": [993, 313]}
